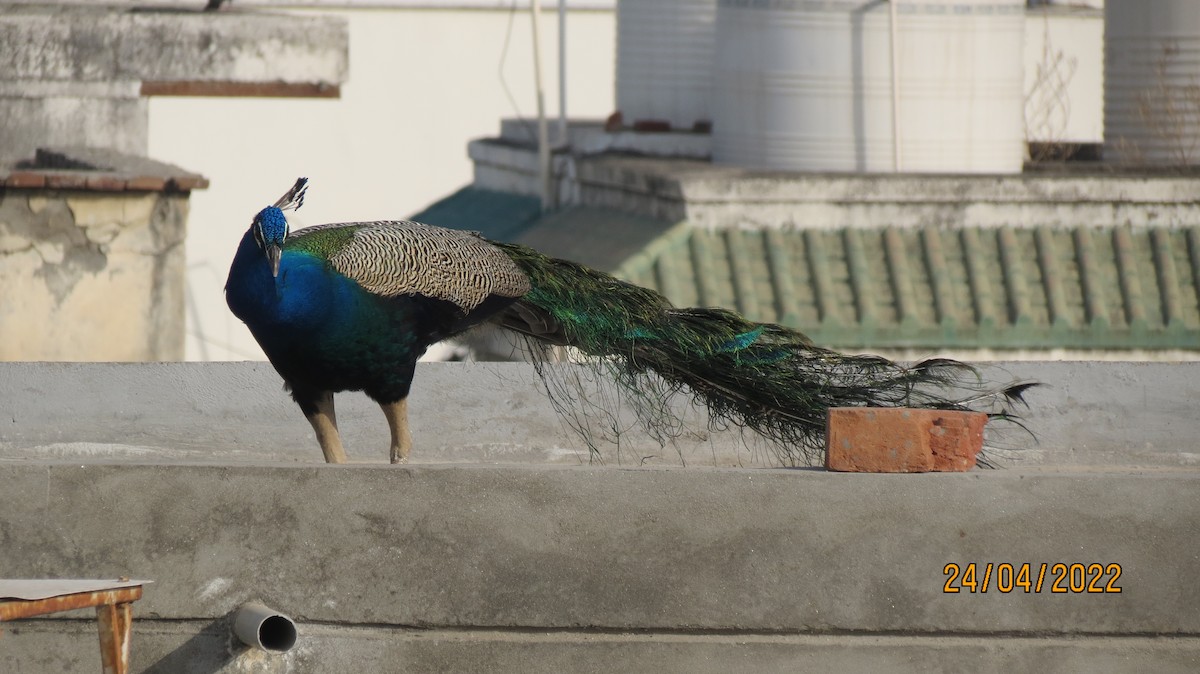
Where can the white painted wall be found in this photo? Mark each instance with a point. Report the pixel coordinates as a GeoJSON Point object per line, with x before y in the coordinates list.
{"type": "Point", "coordinates": [422, 83]}
{"type": "Point", "coordinates": [1064, 76]}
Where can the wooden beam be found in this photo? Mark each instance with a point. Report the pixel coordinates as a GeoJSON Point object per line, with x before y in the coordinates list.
{"type": "Point", "coordinates": [242, 89]}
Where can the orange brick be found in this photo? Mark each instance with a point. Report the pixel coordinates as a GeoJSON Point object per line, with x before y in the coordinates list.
{"type": "Point", "coordinates": [27, 179]}
{"type": "Point", "coordinates": [105, 182]}
{"type": "Point", "coordinates": [188, 183]}
{"type": "Point", "coordinates": [146, 184]}
{"type": "Point", "coordinates": [66, 180]}
{"type": "Point", "coordinates": [902, 440]}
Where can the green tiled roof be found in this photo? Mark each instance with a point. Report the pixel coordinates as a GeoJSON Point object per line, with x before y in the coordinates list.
{"type": "Point", "coordinates": [1084, 288]}
{"type": "Point", "coordinates": [931, 287]}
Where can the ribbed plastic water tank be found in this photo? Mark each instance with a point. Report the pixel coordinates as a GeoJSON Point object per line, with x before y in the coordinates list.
{"type": "Point", "coordinates": [807, 86]}
{"type": "Point", "coordinates": [664, 60]}
{"type": "Point", "coordinates": [1152, 82]}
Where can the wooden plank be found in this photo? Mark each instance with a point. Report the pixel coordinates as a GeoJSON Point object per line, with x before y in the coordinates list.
{"type": "Point", "coordinates": [242, 89]}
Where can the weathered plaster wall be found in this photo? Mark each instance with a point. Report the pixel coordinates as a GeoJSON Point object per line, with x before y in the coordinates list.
{"type": "Point", "coordinates": [78, 75]}
{"type": "Point", "coordinates": [91, 276]}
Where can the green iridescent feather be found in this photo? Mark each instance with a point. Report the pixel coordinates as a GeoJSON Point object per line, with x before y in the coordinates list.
{"type": "Point", "coordinates": [351, 306]}
{"type": "Point", "coordinates": [760, 376]}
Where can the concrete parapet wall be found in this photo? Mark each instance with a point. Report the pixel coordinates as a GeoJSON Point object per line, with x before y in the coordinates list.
{"type": "Point", "coordinates": [76, 75]}
{"type": "Point", "coordinates": [205, 479]}
{"type": "Point", "coordinates": [111, 117]}
{"type": "Point", "coordinates": [727, 197]}
{"type": "Point", "coordinates": [387, 568]}
{"type": "Point", "coordinates": [102, 43]}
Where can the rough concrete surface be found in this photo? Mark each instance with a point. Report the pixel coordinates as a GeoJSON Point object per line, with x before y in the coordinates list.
{"type": "Point", "coordinates": [1086, 413]}
{"type": "Point", "coordinates": [52, 42]}
{"type": "Point", "coordinates": [205, 479]}
{"type": "Point", "coordinates": [188, 648]}
{"type": "Point", "coordinates": [691, 551]}
{"type": "Point", "coordinates": [72, 74]}
{"type": "Point", "coordinates": [558, 547]}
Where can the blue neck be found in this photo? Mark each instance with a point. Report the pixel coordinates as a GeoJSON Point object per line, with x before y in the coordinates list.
{"type": "Point", "coordinates": [301, 298]}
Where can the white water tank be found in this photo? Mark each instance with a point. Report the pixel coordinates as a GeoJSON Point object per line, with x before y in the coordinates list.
{"type": "Point", "coordinates": [664, 61]}
{"type": "Point", "coordinates": [1152, 82]}
{"type": "Point", "coordinates": [807, 86]}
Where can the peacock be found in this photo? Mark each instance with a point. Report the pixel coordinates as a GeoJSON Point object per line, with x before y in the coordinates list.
{"type": "Point", "coordinates": [352, 306]}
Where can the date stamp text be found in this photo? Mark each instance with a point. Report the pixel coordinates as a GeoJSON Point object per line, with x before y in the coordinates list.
{"type": "Point", "coordinates": [1057, 578]}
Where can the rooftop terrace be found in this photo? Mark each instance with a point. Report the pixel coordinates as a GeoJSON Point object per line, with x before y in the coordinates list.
{"type": "Point", "coordinates": [502, 548]}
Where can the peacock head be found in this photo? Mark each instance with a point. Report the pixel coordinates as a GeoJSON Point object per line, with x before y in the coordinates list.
{"type": "Point", "coordinates": [270, 226]}
{"type": "Point", "coordinates": [270, 229]}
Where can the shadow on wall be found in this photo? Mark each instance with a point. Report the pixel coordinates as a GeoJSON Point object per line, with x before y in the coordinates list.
{"type": "Point", "coordinates": [208, 651]}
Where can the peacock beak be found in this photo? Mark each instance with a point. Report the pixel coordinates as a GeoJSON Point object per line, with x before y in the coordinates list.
{"type": "Point", "coordinates": [273, 253]}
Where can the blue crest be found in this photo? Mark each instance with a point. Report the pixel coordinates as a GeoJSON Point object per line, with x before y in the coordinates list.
{"type": "Point", "coordinates": [270, 226]}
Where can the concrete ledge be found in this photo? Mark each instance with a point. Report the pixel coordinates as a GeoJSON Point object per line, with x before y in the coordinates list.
{"type": "Point", "coordinates": [97, 170]}
{"type": "Point", "coordinates": [1088, 413]}
{"type": "Point", "coordinates": [682, 187]}
{"type": "Point", "coordinates": [792, 551]}
{"type": "Point", "coordinates": [80, 44]}
{"type": "Point", "coordinates": [78, 75]}
{"type": "Point", "coordinates": [170, 647]}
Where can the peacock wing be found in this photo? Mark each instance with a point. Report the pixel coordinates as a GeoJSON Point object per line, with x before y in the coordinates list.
{"type": "Point", "coordinates": [394, 258]}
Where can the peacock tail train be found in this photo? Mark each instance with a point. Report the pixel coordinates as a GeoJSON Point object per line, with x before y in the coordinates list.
{"type": "Point", "coordinates": [760, 376]}
{"type": "Point", "coordinates": [352, 306]}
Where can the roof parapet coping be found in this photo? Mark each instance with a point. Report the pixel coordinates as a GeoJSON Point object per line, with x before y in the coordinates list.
{"type": "Point", "coordinates": [97, 170]}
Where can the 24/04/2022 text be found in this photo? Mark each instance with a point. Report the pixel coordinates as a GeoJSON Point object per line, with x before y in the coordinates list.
{"type": "Point", "coordinates": [1057, 578]}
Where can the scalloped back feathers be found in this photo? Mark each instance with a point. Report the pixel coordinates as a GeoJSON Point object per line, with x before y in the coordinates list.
{"type": "Point", "coordinates": [393, 258]}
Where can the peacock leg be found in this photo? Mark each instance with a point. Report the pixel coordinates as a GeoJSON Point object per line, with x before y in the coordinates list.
{"type": "Point", "coordinates": [324, 421]}
{"type": "Point", "coordinates": [397, 418]}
